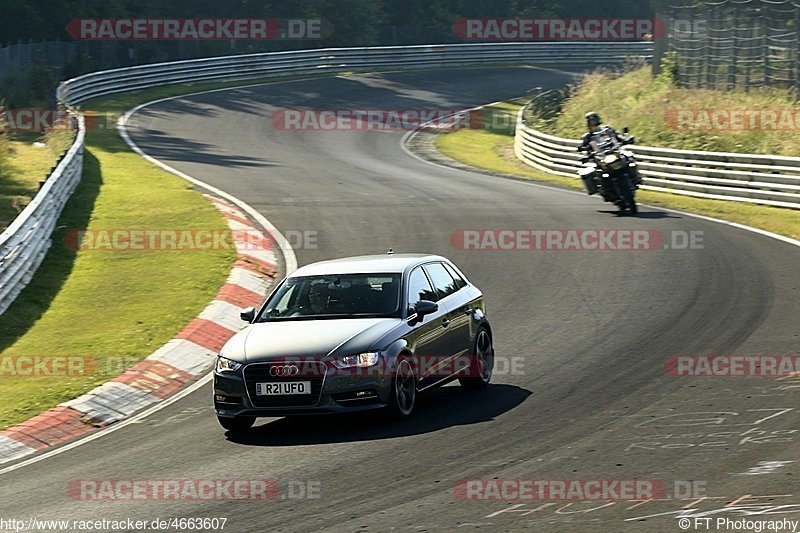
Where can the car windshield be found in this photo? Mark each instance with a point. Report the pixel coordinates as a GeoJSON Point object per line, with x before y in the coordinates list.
{"type": "Point", "coordinates": [334, 296]}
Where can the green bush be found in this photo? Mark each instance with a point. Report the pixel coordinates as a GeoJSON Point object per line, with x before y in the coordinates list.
{"type": "Point", "coordinates": [33, 88]}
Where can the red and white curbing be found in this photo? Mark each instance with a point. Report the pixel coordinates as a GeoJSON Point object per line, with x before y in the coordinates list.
{"type": "Point", "coordinates": [189, 354]}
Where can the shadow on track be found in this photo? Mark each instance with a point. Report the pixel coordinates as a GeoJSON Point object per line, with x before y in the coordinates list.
{"type": "Point", "coordinates": [439, 409]}
{"type": "Point", "coordinates": [653, 215]}
{"type": "Point", "coordinates": [656, 215]}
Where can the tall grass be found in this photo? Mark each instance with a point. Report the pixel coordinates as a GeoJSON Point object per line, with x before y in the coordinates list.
{"type": "Point", "coordinates": [58, 141]}
{"type": "Point", "coordinates": [648, 105]}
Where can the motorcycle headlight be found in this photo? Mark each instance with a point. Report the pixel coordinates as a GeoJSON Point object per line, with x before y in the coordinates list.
{"type": "Point", "coordinates": [610, 159]}
{"type": "Point", "coordinates": [361, 360]}
{"type": "Point", "coordinates": [226, 365]}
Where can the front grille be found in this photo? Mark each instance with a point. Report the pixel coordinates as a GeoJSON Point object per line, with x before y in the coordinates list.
{"type": "Point", "coordinates": [259, 373]}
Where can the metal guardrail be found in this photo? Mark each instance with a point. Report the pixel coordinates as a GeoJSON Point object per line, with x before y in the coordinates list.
{"type": "Point", "coordinates": [24, 244]}
{"type": "Point", "coordinates": [757, 179]}
{"type": "Point", "coordinates": [332, 60]}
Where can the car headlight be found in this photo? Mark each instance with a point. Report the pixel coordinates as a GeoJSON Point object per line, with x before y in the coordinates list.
{"type": "Point", "coordinates": [226, 365]}
{"type": "Point", "coordinates": [360, 360]}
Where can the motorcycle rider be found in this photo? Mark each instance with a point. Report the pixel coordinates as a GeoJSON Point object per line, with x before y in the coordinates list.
{"type": "Point", "coordinates": [592, 139]}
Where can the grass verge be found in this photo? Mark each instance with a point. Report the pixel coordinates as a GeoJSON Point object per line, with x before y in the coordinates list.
{"type": "Point", "coordinates": [493, 150]}
{"type": "Point", "coordinates": [114, 307]}
{"type": "Point", "coordinates": [24, 167]}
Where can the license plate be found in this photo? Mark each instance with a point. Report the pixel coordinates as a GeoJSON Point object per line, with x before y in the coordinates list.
{"type": "Point", "coordinates": [283, 388]}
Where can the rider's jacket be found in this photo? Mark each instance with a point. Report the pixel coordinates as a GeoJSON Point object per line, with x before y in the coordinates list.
{"type": "Point", "coordinates": [594, 139]}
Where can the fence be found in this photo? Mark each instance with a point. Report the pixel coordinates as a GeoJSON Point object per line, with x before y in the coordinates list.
{"type": "Point", "coordinates": [735, 44]}
{"type": "Point", "coordinates": [17, 58]}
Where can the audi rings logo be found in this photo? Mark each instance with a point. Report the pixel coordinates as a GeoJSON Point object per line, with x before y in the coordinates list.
{"type": "Point", "coordinates": [284, 371]}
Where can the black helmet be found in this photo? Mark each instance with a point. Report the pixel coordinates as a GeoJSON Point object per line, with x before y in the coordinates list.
{"type": "Point", "coordinates": [592, 119]}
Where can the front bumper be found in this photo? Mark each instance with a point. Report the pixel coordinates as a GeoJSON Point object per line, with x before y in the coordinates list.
{"type": "Point", "coordinates": [332, 391]}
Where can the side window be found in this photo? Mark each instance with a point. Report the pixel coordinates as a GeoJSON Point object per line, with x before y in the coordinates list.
{"type": "Point", "coordinates": [419, 288]}
{"type": "Point", "coordinates": [460, 283]}
{"type": "Point", "coordinates": [443, 282]}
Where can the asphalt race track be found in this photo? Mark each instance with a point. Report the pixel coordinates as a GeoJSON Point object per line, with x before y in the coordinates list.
{"type": "Point", "coordinates": [590, 332]}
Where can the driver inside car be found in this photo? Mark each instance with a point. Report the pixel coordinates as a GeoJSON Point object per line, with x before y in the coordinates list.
{"type": "Point", "coordinates": [318, 300]}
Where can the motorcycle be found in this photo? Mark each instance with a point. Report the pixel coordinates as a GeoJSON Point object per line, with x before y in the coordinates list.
{"type": "Point", "coordinates": [611, 171]}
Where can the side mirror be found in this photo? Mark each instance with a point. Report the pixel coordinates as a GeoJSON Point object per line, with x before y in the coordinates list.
{"type": "Point", "coordinates": [425, 307]}
{"type": "Point", "coordinates": [248, 314]}
{"type": "Point", "coordinates": [625, 129]}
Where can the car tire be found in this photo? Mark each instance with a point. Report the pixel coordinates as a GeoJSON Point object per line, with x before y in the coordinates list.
{"type": "Point", "coordinates": [238, 424]}
{"type": "Point", "coordinates": [403, 398]}
{"type": "Point", "coordinates": [482, 362]}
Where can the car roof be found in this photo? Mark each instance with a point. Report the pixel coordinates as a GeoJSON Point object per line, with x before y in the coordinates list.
{"type": "Point", "coordinates": [366, 264]}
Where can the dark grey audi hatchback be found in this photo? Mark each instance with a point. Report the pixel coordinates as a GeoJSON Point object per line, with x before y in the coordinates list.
{"type": "Point", "coordinates": [352, 334]}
